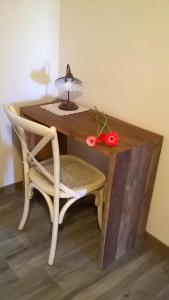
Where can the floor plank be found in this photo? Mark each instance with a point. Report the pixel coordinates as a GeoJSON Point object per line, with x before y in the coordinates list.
{"type": "Point", "coordinates": [75, 275]}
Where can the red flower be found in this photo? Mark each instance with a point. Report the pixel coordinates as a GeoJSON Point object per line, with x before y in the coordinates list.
{"type": "Point", "coordinates": [91, 141]}
{"type": "Point", "coordinates": [101, 137]}
{"type": "Point", "coordinates": [112, 138]}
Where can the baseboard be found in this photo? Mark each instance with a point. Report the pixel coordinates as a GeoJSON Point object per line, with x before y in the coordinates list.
{"type": "Point", "coordinates": [153, 241]}
{"type": "Point", "coordinates": [10, 189]}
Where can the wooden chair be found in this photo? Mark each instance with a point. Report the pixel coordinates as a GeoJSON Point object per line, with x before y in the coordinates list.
{"type": "Point", "coordinates": [63, 176]}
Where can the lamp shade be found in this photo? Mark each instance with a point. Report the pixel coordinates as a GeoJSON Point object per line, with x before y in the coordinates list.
{"type": "Point", "coordinates": [68, 84]}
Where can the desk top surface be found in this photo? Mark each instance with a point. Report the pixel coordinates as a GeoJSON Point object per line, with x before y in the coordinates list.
{"type": "Point", "coordinates": [79, 126]}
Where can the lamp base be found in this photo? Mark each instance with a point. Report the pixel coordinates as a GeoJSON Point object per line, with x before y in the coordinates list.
{"type": "Point", "coordinates": [68, 106]}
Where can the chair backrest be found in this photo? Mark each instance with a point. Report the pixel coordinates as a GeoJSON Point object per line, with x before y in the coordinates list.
{"type": "Point", "coordinates": [21, 126]}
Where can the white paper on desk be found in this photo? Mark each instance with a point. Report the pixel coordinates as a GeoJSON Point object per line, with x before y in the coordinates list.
{"type": "Point", "coordinates": [53, 108]}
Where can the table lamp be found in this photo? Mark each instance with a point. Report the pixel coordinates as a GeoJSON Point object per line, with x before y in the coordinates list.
{"type": "Point", "coordinates": [69, 84]}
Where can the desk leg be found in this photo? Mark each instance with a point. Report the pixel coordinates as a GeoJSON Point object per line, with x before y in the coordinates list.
{"type": "Point", "coordinates": [131, 177]}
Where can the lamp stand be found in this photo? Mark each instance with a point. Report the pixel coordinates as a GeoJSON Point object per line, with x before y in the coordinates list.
{"type": "Point", "coordinates": [69, 105]}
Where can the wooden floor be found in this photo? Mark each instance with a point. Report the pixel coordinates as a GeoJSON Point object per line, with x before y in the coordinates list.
{"type": "Point", "coordinates": [25, 274]}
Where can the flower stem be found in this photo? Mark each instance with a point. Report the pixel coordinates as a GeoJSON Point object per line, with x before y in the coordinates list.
{"type": "Point", "coordinates": [99, 117]}
{"type": "Point", "coordinates": [104, 125]}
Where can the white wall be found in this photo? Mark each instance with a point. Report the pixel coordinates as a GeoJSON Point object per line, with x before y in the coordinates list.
{"type": "Point", "coordinates": [120, 49]}
{"type": "Point", "coordinates": [29, 40]}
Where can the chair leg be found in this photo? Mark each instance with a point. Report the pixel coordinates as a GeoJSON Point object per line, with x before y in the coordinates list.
{"type": "Point", "coordinates": [49, 203]}
{"type": "Point", "coordinates": [100, 208]}
{"type": "Point", "coordinates": [54, 232]}
{"type": "Point", "coordinates": [65, 208]}
{"type": "Point", "coordinates": [28, 195]}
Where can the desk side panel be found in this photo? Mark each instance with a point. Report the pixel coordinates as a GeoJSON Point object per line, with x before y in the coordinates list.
{"type": "Point", "coordinates": [128, 198]}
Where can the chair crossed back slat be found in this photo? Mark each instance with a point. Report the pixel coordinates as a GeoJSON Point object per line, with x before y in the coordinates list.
{"type": "Point", "coordinates": [39, 146]}
{"type": "Point", "coordinates": [21, 125]}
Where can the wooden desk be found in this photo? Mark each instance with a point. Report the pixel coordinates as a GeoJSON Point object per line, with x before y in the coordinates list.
{"type": "Point", "coordinates": [130, 176]}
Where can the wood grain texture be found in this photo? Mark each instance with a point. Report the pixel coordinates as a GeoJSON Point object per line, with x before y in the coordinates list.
{"type": "Point", "coordinates": [75, 275]}
{"type": "Point", "coordinates": [79, 126]}
{"type": "Point", "coordinates": [128, 200]}
{"type": "Point", "coordinates": [130, 176]}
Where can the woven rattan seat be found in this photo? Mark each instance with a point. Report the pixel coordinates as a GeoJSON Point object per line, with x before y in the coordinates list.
{"type": "Point", "coordinates": [64, 176]}
{"type": "Point", "coordinates": [75, 174]}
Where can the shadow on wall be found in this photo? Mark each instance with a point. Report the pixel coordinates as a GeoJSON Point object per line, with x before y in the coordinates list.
{"type": "Point", "coordinates": [42, 76]}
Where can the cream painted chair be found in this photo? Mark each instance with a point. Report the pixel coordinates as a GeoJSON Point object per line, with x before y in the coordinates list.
{"type": "Point", "coordinates": [64, 176]}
